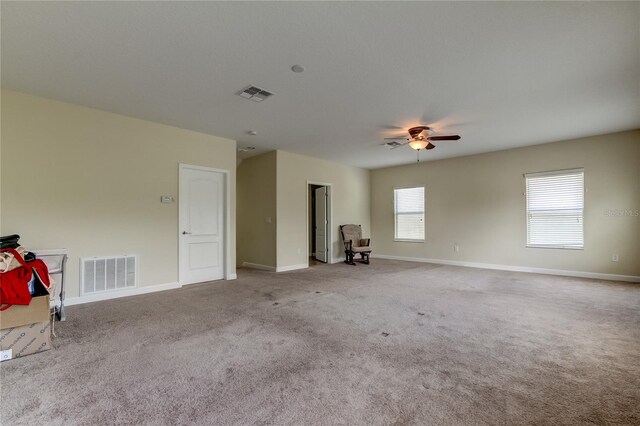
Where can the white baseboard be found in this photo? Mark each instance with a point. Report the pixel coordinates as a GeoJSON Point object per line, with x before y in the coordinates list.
{"type": "Point", "coordinates": [274, 269]}
{"type": "Point", "coordinates": [258, 266]}
{"type": "Point", "coordinates": [292, 267]}
{"type": "Point", "coordinates": [119, 293]}
{"type": "Point", "coordinates": [89, 298]}
{"type": "Point", "coordinates": [561, 272]}
{"type": "Point", "coordinates": [337, 260]}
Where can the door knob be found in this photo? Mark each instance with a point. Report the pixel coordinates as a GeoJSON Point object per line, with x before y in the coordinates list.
{"type": "Point", "coordinates": [186, 233]}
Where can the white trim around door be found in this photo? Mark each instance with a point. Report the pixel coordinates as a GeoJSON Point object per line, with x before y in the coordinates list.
{"type": "Point", "coordinates": [330, 230]}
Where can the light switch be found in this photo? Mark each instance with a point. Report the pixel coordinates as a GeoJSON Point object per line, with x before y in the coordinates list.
{"type": "Point", "coordinates": [166, 199]}
{"type": "Point", "coordinates": [267, 220]}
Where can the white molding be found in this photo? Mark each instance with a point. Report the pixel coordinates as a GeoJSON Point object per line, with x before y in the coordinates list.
{"type": "Point", "coordinates": [555, 172]}
{"type": "Point", "coordinates": [233, 276]}
{"type": "Point", "coordinates": [202, 168]}
{"type": "Point", "coordinates": [337, 260]}
{"type": "Point", "coordinates": [274, 269]}
{"type": "Point", "coordinates": [291, 267]}
{"type": "Point", "coordinates": [258, 266]}
{"type": "Point", "coordinates": [97, 297]}
{"type": "Point", "coordinates": [528, 269]}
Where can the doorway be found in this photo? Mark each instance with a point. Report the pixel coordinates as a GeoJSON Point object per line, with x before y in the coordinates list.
{"type": "Point", "coordinates": [319, 222]}
{"type": "Point", "coordinates": [203, 224]}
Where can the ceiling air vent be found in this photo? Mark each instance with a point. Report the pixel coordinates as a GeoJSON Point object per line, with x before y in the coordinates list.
{"type": "Point", "coordinates": [392, 144]}
{"type": "Point", "coordinates": [254, 93]}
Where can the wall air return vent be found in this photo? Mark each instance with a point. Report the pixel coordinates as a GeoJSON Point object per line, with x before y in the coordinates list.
{"type": "Point", "coordinates": [102, 274]}
{"type": "Point", "coordinates": [254, 94]}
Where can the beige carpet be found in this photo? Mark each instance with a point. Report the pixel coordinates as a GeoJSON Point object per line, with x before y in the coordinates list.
{"type": "Point", "coordinates": [389, 343]}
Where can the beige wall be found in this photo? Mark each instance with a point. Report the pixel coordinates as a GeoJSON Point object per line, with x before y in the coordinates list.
{"type": "Point", "coordinates": [91, 181]}
{"type": "Point", "coordinates": [350, 198]}
{"type": "Point", "coordinates": [256, 203]}
{"type": "Point", "coordinates": [478, 202]}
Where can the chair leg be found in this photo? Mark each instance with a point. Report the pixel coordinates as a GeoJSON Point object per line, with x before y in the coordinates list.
{"type": "Point", "coordinates": [349, 258]}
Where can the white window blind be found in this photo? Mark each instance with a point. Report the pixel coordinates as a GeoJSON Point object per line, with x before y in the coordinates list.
{"type": "Point", "coordinates": [409, 213]}
{"type": "Point", "coordinates": [555, 209]}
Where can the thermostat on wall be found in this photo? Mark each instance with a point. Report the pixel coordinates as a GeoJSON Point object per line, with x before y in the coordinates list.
{"type": "Point", "coordinates": [166, 199]}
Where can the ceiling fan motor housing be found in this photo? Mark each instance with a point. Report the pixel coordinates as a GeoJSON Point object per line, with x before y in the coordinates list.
{"type": "Point", "coordinates": [415, 132]}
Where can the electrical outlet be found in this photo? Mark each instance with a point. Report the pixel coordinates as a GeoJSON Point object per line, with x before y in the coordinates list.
{"type": "Point", "coordinates": [456, 247]}
{"type": "Point", "coordinates": [614, 257]}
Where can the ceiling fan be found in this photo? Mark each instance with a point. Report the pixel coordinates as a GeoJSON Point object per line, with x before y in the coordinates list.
{"type": "Point", "coordinates": [419, 139]}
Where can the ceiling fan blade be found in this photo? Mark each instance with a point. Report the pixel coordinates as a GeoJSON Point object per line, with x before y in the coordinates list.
{"type": "Point", "coordinates": [444, 138]}
{"type": "Point", "coordinates": [430, 146]}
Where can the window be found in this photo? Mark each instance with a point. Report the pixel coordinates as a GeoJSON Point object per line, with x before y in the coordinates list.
{"type": "Point", "coordinates": [409, 213]}
{"type": "Point", "coordinates": [555, 209]}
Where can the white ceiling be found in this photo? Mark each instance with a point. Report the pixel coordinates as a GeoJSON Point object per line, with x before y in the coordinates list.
{"type": "Point", "coordinates": [500, 74]}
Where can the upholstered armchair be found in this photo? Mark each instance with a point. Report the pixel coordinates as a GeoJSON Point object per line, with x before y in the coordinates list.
{"type": "Point", "coordinates": [354, 243]}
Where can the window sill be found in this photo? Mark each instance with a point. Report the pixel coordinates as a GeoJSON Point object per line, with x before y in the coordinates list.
{"type": "Point", "coordinates": [555, 247]}
{"type": "Point", "coordinates": [408, 241]}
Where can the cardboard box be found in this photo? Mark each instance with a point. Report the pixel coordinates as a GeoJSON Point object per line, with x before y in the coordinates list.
{"type": "Point", "coordinates": [25, 340]}
{"type": "Point", "coordinates": [17, 315]}
{"type": "Point", "coordinates": [25, 329]}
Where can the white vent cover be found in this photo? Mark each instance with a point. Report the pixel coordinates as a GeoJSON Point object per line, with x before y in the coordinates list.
{"type": "Point", "coordinates": [392, 144]}
{"type": "Point", "coordinates": [254, 93]}
{"type": "Point", "coordinates": [247, 149]}
{"type": "Point", "coordinates": [100, 274]}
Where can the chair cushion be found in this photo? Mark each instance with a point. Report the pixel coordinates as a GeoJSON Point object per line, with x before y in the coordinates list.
{"type": "Point", "coordinates": [360, 249]}
{"type": "Point", "coordinates": [352, 232]}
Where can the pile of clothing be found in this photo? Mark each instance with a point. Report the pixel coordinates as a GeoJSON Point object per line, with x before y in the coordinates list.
{"type": "Point", "coordinates": [22, 275]}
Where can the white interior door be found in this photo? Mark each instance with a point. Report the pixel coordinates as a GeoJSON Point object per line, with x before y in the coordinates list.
{"type": "Point", "coordinates": [202, 245]}
{"type": "Point", "coordinates": [322, 245]}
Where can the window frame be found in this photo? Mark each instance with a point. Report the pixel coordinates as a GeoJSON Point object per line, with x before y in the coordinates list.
{"type": "Point", "coordinates": [424, 216]}
{"type": "Point", "coordinates": [526, 208]}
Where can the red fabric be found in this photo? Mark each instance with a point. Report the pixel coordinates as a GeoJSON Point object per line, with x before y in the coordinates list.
{"type": "Point", "coordinates": [41, 270]}
{"type": "Point", "coordinates": [14, 285]}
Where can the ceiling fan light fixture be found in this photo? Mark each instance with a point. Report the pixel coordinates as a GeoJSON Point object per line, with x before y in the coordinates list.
{"type": "Point", "coordinates": [420, 138]}
{"type": "Point", "coordinates": [418, 144]}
